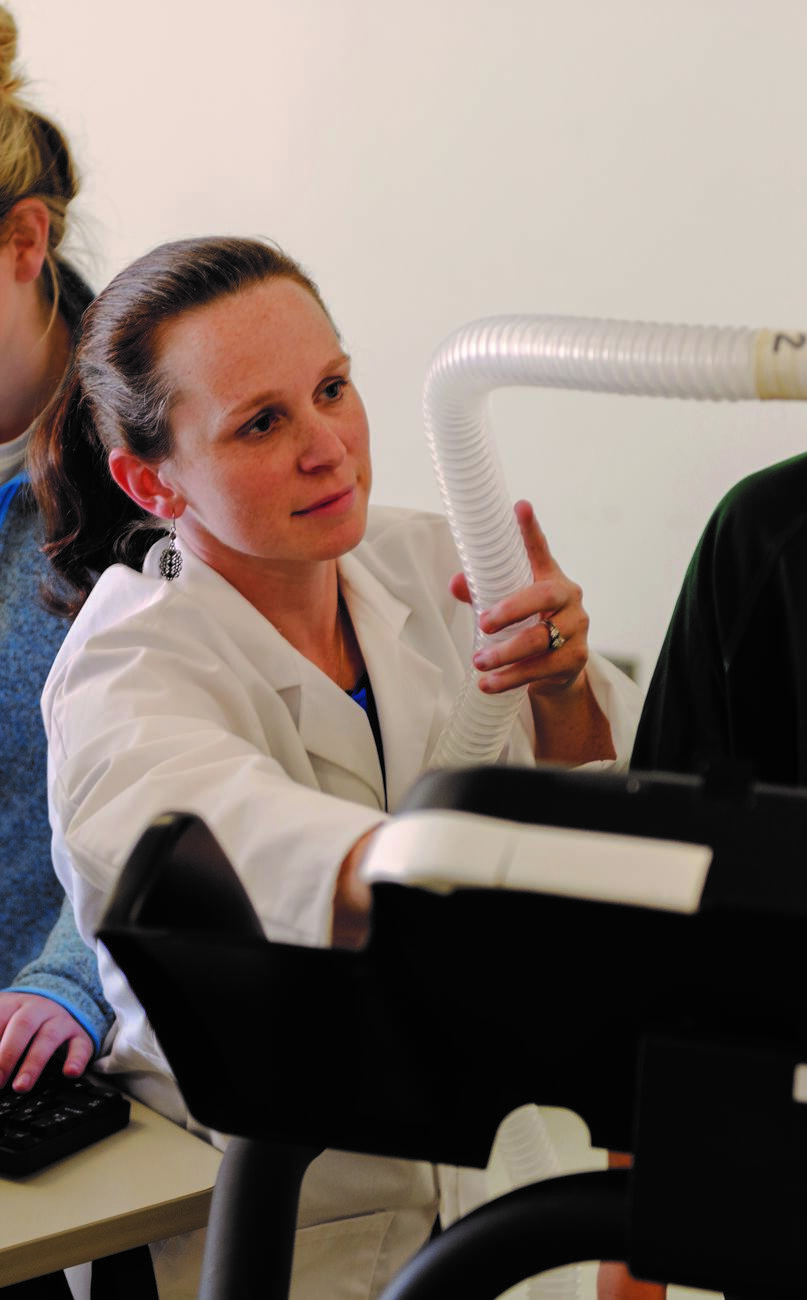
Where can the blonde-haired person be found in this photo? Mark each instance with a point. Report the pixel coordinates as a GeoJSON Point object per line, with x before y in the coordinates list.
{"type": "Point", "coordinates": [52, 994]}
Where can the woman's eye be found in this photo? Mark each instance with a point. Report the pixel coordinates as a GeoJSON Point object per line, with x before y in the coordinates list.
{"type": "Point", "coordinates": [263, 422]}
{"type": "Point", "coordinates": [334, 388]}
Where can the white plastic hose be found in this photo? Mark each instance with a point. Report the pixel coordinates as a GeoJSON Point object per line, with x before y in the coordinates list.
{"type": "Point", "coordinates": [607, 356]}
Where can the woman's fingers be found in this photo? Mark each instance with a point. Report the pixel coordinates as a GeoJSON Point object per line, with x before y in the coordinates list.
{"type": "Point", "coordinates": [546, 669]}
{"type": "Point", "coordinates": [547, 648]}
{"type": "Point", "coordinates": [458, 586]}
{"type": "Point", "coordinates": [528, 643]}
{"type": "Point", "coordinates": [32, 1028]}
{"type": "Point", "coordinates": [46, 1042]}
{"type": "Point", "coordinates": [535, 543]}
{"type": "Point", "coordinates": [547, 598]}
{"type": "Point", "coordinates": [543, 567]}
{"type": "Point", "coordinates": [549, 652]}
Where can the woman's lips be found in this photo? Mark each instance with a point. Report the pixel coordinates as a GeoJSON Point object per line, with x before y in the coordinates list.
{"type": "Point", "coordinates": [333, 504]}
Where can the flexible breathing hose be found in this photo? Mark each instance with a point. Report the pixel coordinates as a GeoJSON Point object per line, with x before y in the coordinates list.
{"type": "Point", "coordinates": [606, 356]}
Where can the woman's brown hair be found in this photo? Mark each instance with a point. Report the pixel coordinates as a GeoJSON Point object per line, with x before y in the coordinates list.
{"type": "Point", "coordinates": [116, 395]}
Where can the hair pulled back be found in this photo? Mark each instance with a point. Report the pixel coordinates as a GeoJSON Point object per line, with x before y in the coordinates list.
{"type": "Point", "coordinates": [117, 395]}
{"type": "Point", "coordinates": [35, 162]}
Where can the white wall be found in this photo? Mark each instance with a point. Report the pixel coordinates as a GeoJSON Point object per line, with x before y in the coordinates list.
{"type": "Point", "coordinates": [437, 160]}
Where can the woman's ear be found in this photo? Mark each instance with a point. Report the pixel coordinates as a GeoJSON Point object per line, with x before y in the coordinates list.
{"type": "Point", "coordinates": [144, 484]}
{"type": "Point", "coordinates": [29, 224]}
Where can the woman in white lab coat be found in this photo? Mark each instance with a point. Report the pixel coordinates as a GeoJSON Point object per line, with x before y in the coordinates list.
{"type": "Point", "coordinates": [282, 663]}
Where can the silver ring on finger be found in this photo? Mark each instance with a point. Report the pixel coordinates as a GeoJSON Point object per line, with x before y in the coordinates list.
{"type": "Point", "coordinates": [556, 637]}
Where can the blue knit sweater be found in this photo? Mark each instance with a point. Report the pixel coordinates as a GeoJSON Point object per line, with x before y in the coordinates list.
{"type": "Point", "coordinates": [40, 948]}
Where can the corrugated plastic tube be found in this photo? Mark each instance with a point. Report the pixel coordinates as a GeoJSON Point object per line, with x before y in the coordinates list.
{"type": "Point", "coordinates": [606, 356]}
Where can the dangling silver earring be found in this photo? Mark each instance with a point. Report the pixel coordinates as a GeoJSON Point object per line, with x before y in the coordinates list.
{"type": "Point", "coordinates": [171, 557]}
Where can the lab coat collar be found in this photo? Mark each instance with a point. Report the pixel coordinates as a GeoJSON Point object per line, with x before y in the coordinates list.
{"type": "Point", "coordinates": [332, 726]}
{"type": "Point", "coordinates": [333, 729]}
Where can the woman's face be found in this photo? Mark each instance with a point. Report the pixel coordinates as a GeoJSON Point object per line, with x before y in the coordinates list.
{"type": "Point", "coordinates": [271, 465]}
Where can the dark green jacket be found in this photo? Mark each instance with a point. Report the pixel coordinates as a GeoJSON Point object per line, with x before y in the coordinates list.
{"type": "Point", "coordinates": [731, 680]}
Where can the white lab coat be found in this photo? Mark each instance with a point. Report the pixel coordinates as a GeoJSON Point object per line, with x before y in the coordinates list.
{"type": "Point", "coordinates": [182, 696]}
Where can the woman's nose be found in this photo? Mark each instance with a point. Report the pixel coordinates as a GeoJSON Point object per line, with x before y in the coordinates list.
{"type": "Point", "coordinates": [322, 448]}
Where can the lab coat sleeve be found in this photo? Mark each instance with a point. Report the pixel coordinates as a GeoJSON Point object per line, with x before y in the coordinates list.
{"type": "Point", "coordinates": [136, 730]}
{"type": "Point", "coordinates": [620, 699]}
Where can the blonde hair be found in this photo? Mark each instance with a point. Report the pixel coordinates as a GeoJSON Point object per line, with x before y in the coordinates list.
{"type": "Point", "coordinates": [35, 158]}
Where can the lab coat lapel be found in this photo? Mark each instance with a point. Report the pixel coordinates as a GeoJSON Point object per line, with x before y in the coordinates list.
{"type": "Point", "coordinates": [406, 685]}
{"type": "Point", "coordinates": [332, 728]}
{"type": "Point", "coordinates": [338, 738]}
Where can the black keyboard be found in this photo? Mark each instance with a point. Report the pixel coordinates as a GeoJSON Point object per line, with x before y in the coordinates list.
{"type": "Point", "coordinates": [57, 1117]}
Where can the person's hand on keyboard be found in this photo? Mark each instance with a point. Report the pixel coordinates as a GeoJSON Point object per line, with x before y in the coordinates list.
{"type": "Point", "coordinates": [42, 1026]}
{"type": "Point", "coordinates": [58, 1116]}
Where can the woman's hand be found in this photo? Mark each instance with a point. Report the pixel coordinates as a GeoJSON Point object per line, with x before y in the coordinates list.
{"type": "Point", "coordinates": [353, 898]}
{"type": "Point", "coordinates": [569, 724]}
{"type": "Point", "coordinates": [40, 1025]}
{"type": "Point", "coordinates": [525, 658]}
